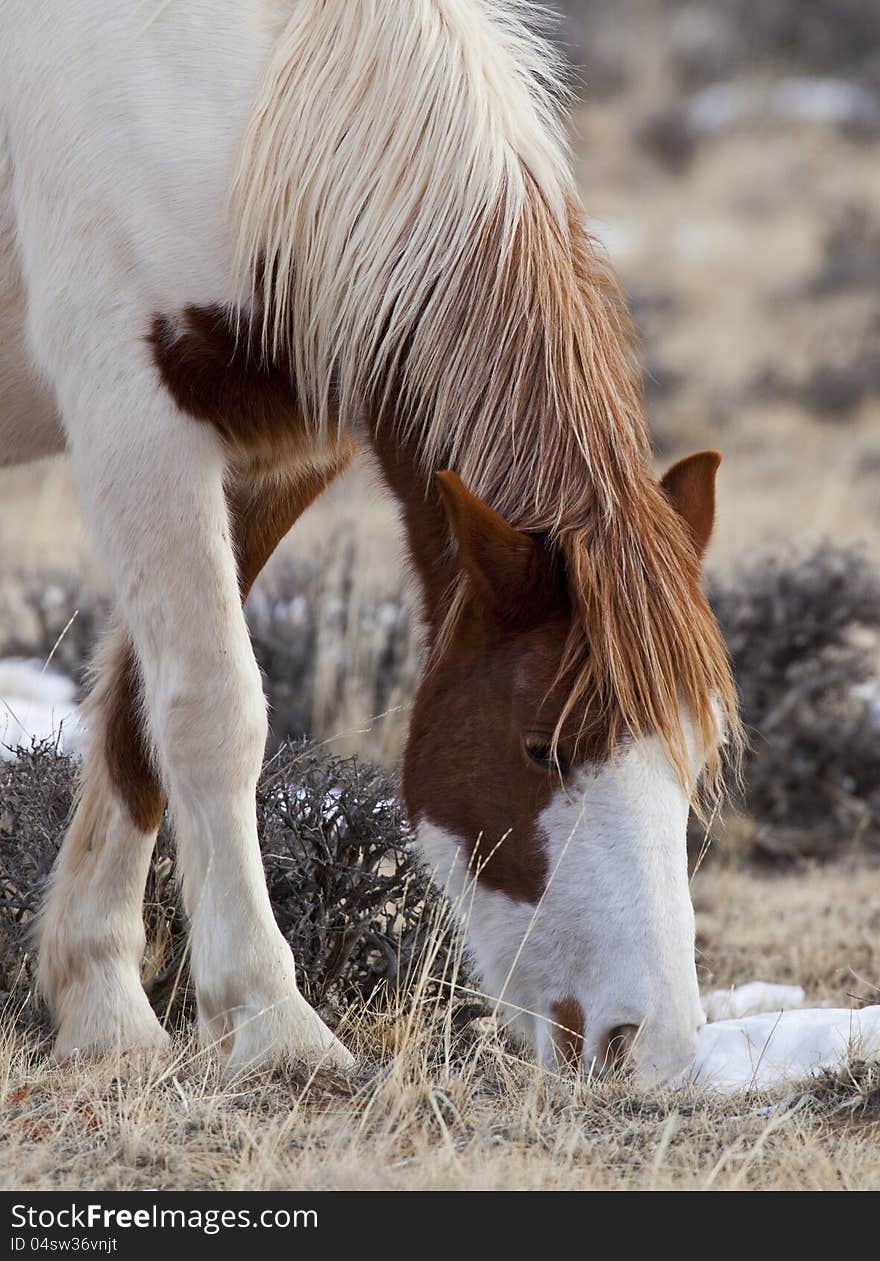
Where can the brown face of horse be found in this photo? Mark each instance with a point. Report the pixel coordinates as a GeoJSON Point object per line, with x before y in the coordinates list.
{"type": "Point", "coordinates": [569, 872]}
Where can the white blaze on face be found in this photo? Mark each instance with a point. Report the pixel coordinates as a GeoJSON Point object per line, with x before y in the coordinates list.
{"type": "Point", "coordinates": [614, 930]}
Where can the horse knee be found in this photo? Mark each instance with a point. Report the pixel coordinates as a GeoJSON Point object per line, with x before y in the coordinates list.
{"type": "Point", "coordinates": [214, 734]}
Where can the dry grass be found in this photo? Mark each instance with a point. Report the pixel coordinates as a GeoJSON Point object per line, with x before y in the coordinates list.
{"type": "Point", "coordinates": [437, 1103]}
{"type": "Point", "coordinates": [818, 927]}
{"type": "Point", "coordinates": [496, 1124]}
{"type": "Point", "coordinates": [424, 1111]}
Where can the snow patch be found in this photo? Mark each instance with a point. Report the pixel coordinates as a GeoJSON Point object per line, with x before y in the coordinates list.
{"type": "Point", "coordinates": [37, 703]}
{"type": "Point", "coordinates": [749, 1000]}
{"type": "Point", "coordinates": [766, 1051]}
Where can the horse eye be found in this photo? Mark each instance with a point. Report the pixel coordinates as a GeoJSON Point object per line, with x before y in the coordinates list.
{"type": "Point", "coordinates": [541, 753]}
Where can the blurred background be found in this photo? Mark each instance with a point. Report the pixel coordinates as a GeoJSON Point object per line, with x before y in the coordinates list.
{"type": "Point", "coordinates": [729, 158]}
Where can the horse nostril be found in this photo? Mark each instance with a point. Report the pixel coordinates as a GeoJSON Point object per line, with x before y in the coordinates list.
{"type": "Point", "coordinates": [616, 1047]}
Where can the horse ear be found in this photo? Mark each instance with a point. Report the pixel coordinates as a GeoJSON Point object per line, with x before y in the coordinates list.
{"type": "Point", "coordinates": [690, 488]}
{"type": "Point", "coordinates": [503, 564]}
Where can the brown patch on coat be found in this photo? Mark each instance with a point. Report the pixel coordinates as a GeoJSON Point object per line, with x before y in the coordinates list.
{"type": "Point", "coordinates": [212, 364]}
{"type": "Point", "coordinates": [568, 1031]}
{"type": "Point", "coordinates": [125, 747]}
{"type": "Point", "coordinates": [464, 768]}
{"type": "Point", "coordinates": [261, 515]}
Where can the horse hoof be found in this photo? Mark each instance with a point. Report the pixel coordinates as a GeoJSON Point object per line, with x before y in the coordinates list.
{"type": "Point", "coordinates": [85, 1043]}
{"type": "Point", "coordinates": [271, 1039]}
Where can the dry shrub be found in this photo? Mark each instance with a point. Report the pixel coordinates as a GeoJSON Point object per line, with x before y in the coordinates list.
{"type": "Point", "coordinates": [839, 371]}
{"type": "Point", "coordinates": [804, 634]}
{"type": "Point", "coordinates": [850, 253]}
{"type": "Point", "coordinates": [36, 796]}
{"type": "Point", "coordinates": [667, 136]}
{"type": "Point", "coordinates": [346, 886]}
{"type": "Point", "coordinates": [843, 368]}
{"type": "Point", "coordinates": [832, 390]}
{"type": "Point", "coordinates": [813, 36]}
{"type": "Point", "coordinates": [704, 42]}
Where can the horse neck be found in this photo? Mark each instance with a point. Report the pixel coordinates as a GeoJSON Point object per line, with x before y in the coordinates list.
{"type": "Point", "coordinates": [424, 519]}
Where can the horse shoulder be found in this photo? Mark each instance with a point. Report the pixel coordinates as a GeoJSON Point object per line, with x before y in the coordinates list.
{"type": "Point", "coordinates": [124, 136]}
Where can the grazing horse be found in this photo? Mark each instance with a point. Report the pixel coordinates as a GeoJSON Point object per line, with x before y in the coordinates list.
{"type": "Point", "coordinates": [237, 242]}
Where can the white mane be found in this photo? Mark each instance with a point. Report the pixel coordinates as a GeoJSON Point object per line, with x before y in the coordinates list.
{"type": "Point", "coordinates": [386, 136]}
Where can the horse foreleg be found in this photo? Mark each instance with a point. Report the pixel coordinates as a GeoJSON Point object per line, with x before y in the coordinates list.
{"type": "Point", "coordinates": [91, 929]}
{"type": "Point", "coordinates": [90, 932]}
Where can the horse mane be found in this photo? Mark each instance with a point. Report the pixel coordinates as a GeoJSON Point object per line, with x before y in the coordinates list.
{"type": "Point", "coordinates": [410, 229]}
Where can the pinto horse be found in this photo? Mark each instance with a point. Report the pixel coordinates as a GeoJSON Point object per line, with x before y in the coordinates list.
{"type": "Point", "coordinates": [238, 242]}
